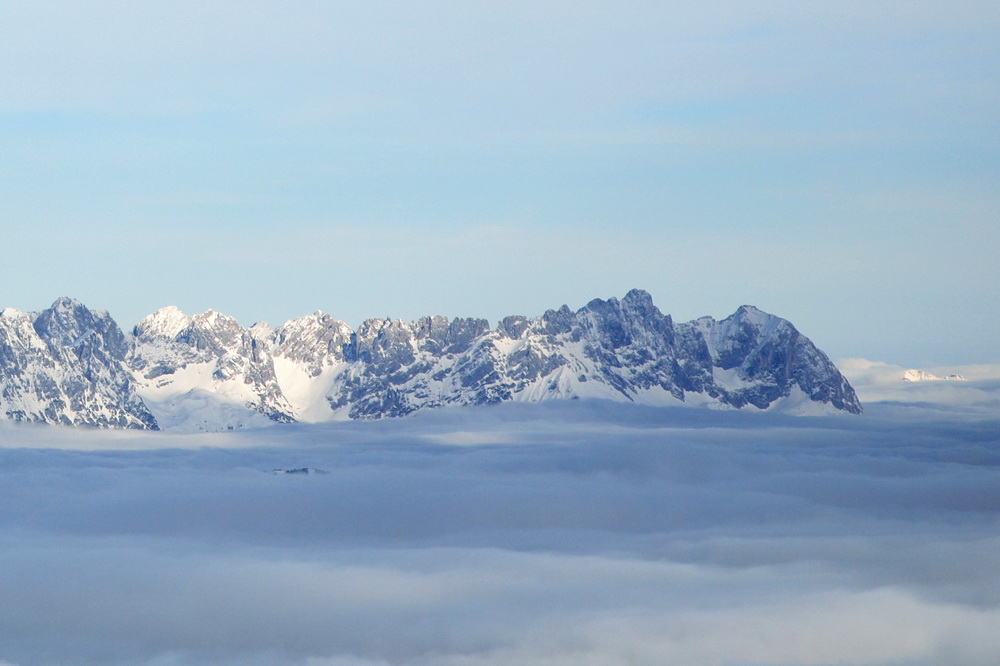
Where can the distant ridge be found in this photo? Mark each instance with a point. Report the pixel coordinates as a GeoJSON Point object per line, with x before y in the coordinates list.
{"type": "Point", "coordinates": [74, 366]}
{"type": "Point", "coordinates": [922, 376]}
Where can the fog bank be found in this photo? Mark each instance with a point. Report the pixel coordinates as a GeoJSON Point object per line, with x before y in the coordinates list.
{"type": "Point", "coordinates": [564, 533]}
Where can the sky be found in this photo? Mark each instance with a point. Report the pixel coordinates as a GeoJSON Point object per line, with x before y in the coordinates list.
{"type": "Point", "coordinates": [567, 532]}
{"type": "Point", "coordinates": [835, 164]}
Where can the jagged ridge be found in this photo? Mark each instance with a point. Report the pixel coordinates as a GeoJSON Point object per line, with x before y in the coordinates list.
{"type": "Point", "coordinates": [74, 366]}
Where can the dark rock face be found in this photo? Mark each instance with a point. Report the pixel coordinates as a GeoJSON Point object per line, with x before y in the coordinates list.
{"type": "Point", "coordinates": [75, 366]}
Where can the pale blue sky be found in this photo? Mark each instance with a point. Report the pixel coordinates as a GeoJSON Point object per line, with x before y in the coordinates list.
{"type": "Point", "coordinates": [833, 163]}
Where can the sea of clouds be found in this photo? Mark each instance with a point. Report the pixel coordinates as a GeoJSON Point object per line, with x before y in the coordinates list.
{"type": "Point", "coordinates": [562, 533]}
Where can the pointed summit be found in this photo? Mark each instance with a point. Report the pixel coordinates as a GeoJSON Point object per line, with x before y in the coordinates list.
{"type": "Point", "coordinates": [67, 365]}
{"type": "Point", "coordinates": [165, 323]}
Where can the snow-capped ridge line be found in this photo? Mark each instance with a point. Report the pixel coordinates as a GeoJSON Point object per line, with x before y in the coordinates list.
{"type": "Point", "coordinates": [206, 371]}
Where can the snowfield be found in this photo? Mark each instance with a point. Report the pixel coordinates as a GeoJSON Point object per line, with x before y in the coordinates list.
{"type": "Point", "coordinates": [563, 532]}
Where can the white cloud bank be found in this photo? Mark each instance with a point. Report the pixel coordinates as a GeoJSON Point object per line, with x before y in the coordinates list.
{"type": "Point", "coordinates": [572, 533]}
{"type": "Point", "coordinates": [878, 382]}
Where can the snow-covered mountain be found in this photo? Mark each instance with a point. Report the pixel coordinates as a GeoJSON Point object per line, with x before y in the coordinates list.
{"type": "Point", "coordinates": [922, 376]}
{"type": "Point", "coordinates": [71, 365]}
{"type": "Point", "coordinates": [206, 370]}
{"type": "Point", "coordinates": [67, 365]}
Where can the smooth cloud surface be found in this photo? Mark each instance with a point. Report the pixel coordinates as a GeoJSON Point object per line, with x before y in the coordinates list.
{"type": "Point", "coordinates": [565, 533]}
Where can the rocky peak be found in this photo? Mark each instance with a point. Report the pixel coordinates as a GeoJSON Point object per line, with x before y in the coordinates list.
{"type": "Point", "coordinates": [317, 340]}
{"type": "Point", "coordinates": [164, 324]}
{"type": "Point", "coordinates": [261, 331]}
{"type": "Point", "coordinates": [556, 322]}
{"type": "Point", "coordinates": [217, 354]}
{"type": "Point", "coordinates": [634, 320]}
{"type": "Point", "coordinates": [436, 334]}
{"type": "Point", "coordinates": [463, 332]}
{"type": "Point", "coordinates": [513, 326]}
{"type": "Point", "coordinates": [13, 313]}
{"type": "Point", "coordinates": [380, 341]}
{"type": "Point", "coordinates": [66, 365]}
{"type": "Point", "coordinates": [68, 324]}
{"type": "Point", "coordinates": [638, 299]}
{"type": "Point", "coordinates": [431, 334]}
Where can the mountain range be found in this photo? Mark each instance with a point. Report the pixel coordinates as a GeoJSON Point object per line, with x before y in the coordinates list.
{"type": "Point", "coordinates": [74, 366]}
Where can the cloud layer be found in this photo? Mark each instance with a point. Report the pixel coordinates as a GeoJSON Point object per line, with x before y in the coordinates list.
{"type": "Point", "coordinates": [574, 533]}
